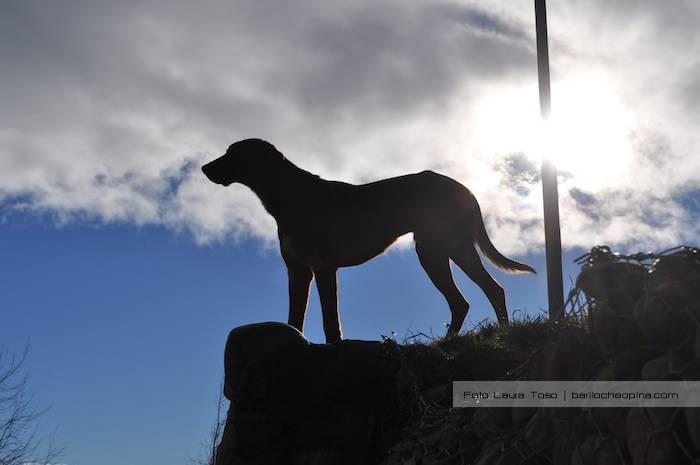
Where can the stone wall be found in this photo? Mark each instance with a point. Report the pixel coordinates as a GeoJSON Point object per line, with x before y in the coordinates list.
{"type": "Point", "coordinates": [641, 322]}
{"type": "Point", "coordinates": [293, 402]}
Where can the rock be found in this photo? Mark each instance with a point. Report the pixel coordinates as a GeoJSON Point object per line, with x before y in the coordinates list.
{"type": "Point", "coordinates": [248, 343]}
{"type": "Point", "coordinates": [665, 368]}
{"type": "Point", "coordinates": [691, 371]}
{"type": "Point", "coordinates": [321, 456]}
{"type": "Point", "coordinates": [584, 454]}
{"type": "Point", "coordinates": [539, 433]}
{"type": "Point", "coordinates": [251, 439]}
{"type": "Point", "coordinates": [663, 449]}
{"type": "Point", "coordinates": [604, 327]}
{"type": "Point", "coordinates": [521, 415]}
{"type": "Point", "coordinates": [561, 416]}
{"type": "Point", "coordinates": [692, 422]}
{"type": "Point", "coordinates": [490, 454]}
{"type": "Point", "coordinates": [618, 284]}
{"type": "Point", "coordinates": [440, 395]}
{"type": "Point", "coordinates": [661, 322]}
{"type": "Point", "coordinates": [612, 331]}
{"type": "Point", "coordinates": [325, 404]}
{"type": "Point", "coordinates": [562, 449]}
{"type": "Point", "coordinates": [512, 455]}
{"type": "Point", "coordinates": [638, 429]}
{"type": "Point", "coordinates": [349, 429]}
{"type": "Point", "coordinates": [676, 278]}
{"type": "Point", "coordinates": [583, 425]}
{"type": "Point", "coordinates": [263, 458]}
{"type": "Point", "coordinates": [669, 310]}
{"type": "Point", "coordinates": [610, 420]}
{"type": "Point", "coordinates": [488, 421]}
{"type": "Point", "coordinates": [608, 453]}
{"type": "Point", "coordinates": [605, 371]}
{"type": "Point", "coordinates": [648, 443]}
{"type": "Point", "coordinates": [253, 431]}
{"type": "Point", "coordinates": [629, 363]}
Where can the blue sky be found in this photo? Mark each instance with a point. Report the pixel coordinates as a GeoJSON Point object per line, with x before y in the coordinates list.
{"type": "Point", "coordinates": [127, 325]}
{"type": "Point", "coordinates": [125, 269]}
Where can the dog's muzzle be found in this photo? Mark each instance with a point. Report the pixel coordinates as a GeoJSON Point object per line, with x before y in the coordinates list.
{"type": "Point", "coordinates": [210, 173]}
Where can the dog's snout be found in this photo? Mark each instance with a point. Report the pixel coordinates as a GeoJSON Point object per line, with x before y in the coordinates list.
{"type": "Point", "coordinates": [217, 172]}
{"type": "Point", "coordinates": [210, 172]}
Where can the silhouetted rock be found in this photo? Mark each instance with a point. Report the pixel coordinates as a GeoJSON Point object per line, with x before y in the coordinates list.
{"type": "Point", "coordinates": [322, 404]}
{"type": "Point", "coordinates": [649, 443]}
{"type": "Point", "coordinates": [539, 433]}
{"type": "Point", "coordinates": [490, 454]}
{"type": "Point", "coordinates": [584, 454]}
{"type": "Point", "coordinates": [617, 284]}
{"type": "Point", "coordinates": [489, 421]}
{"type": "Point", "coordinates": [692, 422]}
{"type": "Point", "coordinates": [612, 331]}
{"type": "Point", "coordinates": [608, 453]}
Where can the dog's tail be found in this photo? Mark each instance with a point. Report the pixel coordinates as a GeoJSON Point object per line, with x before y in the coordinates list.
{"type": "Point", "coordinates": [482, 240]}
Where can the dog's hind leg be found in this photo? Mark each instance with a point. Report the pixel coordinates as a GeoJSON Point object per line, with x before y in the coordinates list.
{"type": "Point", "coordinates": [300, 277]}
{"type": "Point", "coordinates": [466, 257]}
{"type": "Point", "coordinates": [436, 263]}
{"type": "Point", "coordinates": [327, 284]}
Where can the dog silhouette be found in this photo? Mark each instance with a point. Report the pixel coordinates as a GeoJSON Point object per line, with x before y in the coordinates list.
{"type": "Point", "coordinates": [324, 225]}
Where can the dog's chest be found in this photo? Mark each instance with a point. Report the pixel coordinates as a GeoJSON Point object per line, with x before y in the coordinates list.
{"type": "Point", "coordinates": [300, 251]}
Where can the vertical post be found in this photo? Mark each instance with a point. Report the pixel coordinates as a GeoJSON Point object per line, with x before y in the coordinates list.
{"type": "Point", "coordinates": [550, 194]}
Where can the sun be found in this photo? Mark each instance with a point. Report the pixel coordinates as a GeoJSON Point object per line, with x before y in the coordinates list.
{"type": "Point", "coordinates": [587, 135]}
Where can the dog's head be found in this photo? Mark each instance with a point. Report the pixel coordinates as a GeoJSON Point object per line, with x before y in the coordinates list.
{"type": "Point", "coordinates": [244, 161]}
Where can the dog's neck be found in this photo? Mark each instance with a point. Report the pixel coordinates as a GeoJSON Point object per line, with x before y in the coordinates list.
{"type": "Point", "coordinates": [280, 185]}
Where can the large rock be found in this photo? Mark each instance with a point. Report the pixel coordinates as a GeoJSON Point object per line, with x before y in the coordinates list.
{"type": "Point", "coordinates": [584, 454]}
{"type": "Point", "coordinates": [612, 331]}
{"type": "Point", "coordinates": [562, 449]}
{"type": "Point", "coordinates": [629, 363]}
{"type": "Point", "coordinates": [490, 421]}
{"type": "Point", "coordinates": [668, 367]}
{"type": "Point", "coordinates": [692, 421]}
{"type": "Point", "coordinates": [664, 319]}
{"type": "Point", "coordinates": [677, 277]}
{"type": "Point", "coordinates": [669, 311]}
{"type": "Point", "coordinates": [618, 284]}
{"type": "Point", "coordinates": [297, 402]}
{"type": "Point", "coordinates": [249, 344]}
{"type": "Point", "coordinates": [539, 433]}
{"type": "Point", "coordinates": [490, 454]}
{"type": "Point", "coordinates": [650, 442]}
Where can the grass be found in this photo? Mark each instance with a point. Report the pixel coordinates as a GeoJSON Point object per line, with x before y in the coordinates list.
{"type": "Point", "coordinates": [488, 352]}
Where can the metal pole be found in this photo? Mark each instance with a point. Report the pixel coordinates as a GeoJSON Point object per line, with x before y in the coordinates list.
{"type": "Point", "coordinates": [550, 195]}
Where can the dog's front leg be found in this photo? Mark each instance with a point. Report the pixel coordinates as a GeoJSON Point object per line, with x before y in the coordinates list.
{"type": "Point", "coordinates": [300, 276]}
{"type": "Point", "coordinates": [327, 284]}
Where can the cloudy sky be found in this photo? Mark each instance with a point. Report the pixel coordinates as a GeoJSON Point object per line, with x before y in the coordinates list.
{"type": "Point", "coordinates": [110, 107]}
{"type": "Point", "coordinates": [121, 262]}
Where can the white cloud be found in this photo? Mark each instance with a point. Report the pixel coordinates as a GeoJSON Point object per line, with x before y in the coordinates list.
{"type": "Point", "coordinates": [109, 108]}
